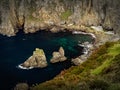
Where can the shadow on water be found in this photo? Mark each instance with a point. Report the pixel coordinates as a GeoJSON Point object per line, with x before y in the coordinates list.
{"type": "Point", "coordinates": [15, 50]}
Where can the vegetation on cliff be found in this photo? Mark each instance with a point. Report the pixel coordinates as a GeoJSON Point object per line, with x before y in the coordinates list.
{"type": "Point", "coordinates": [99, 72]}
{"type": "Point", "coordinates": [33, 15]}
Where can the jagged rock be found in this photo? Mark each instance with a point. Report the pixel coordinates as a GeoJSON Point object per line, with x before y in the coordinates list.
{"type": "Point", "coordinates": [37, 60]}
{"type": "Point", "coordinates": [21, 86]}
{"type": "Point", "coordinates": [58, 56]}
{"type": "Point", "coordinates": [61, 51]}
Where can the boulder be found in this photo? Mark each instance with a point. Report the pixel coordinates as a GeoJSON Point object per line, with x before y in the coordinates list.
{"type": "Point", "coordinates": [37, 60]}
{"type": "Point", "coordinates": [58, 56]}
{"type": "Point", "coordinates": [77, 61]}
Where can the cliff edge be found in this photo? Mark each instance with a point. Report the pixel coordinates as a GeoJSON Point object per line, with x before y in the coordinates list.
{"type": "Point", "coordinates": [34, 15]}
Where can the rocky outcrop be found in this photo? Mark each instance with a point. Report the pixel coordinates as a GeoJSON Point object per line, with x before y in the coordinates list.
{"type": "Point", "coordinates": [33, 15]}
{"type": "Point", "coordinates": [37, 60]}
{"type": "Point", "coordinates": [77, 61]}
{"type": "Point", "coordinates": [58, 56]}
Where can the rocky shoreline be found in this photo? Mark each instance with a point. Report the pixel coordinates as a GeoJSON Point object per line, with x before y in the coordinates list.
{"type": "Point", "coordinates": [100, 37]}
{"type": "Point", "coordinates": [88, 48]}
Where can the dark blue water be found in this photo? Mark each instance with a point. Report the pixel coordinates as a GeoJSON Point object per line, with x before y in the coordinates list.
{"type": "Point", "coordinates": [15, 50]}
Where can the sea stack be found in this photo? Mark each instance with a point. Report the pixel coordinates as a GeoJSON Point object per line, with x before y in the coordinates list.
{"type": "Point", "coordinates": [58, 56]}
{"type": "Point", "coordinates": [37, 60]}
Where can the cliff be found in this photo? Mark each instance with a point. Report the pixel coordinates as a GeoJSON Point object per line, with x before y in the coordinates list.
{"type": "Point", "coordinates": [33, 15]}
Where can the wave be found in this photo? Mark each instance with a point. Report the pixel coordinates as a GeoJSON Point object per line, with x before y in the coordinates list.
{"type": "Point", "coordinates": [22, 67]}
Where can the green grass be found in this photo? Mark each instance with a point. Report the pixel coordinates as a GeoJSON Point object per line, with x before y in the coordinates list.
{"type": "Point", "coordinates": [111, 53]}
{"type": "Point", "coordinates": [114, 50]}
{"type": "Point", "coordinates": [66, 14]}
{"type": "Point", "coordinates": [99, 69]}
{"type": "Point", "coordinates": [114, 87]}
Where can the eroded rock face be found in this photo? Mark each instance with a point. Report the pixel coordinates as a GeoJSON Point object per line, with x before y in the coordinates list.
{"type": "Point", "coordinates": [33, 15]}
{"type": "Point", "coordinates": [37, 60]}
{"type": "Point", "coordinates": [58, 56]}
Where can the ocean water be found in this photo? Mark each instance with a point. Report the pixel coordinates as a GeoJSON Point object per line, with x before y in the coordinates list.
{"type": "Point", "coordinates": [15, 50]}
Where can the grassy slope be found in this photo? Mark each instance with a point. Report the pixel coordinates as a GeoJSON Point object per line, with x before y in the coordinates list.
{"type": "Point", "coordinates": [99, 72]}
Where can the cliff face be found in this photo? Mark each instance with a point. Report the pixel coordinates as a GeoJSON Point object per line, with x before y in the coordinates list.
{"type": "Point", "coordinates": [32, 15]}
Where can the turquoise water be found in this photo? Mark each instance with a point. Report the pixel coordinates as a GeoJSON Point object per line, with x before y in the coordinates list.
{"type": "Point", "coordinates": [15, 50]}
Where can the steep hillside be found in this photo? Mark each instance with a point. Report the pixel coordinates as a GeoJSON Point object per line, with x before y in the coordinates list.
{"type": "Point", "coordinates": [100, 72]}
{"type": "Point", "coordinates": [33, 15]}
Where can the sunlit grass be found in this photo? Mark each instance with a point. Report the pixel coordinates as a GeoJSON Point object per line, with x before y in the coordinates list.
{"type": "Point", "coordinates": [105, 64]}
{"type": "Point", "coordinates": [114, 50]}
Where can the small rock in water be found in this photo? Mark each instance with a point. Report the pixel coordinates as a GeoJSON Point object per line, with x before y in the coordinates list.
{"type": "Point", "coordinates": [37, 60]}
{"type": "Point", "coordinates": [58, 56]}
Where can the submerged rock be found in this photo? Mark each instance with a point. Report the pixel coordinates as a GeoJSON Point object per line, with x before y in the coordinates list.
{"type": "Point", "coordinates": [58, 56]}
{"type": "Point", "coordinates": [37, 60]}
{"type": "Point", "coordinates": [21, 86]}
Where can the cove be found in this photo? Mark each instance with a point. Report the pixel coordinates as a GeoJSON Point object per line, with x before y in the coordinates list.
{"type": "Point", "coordinates": [15, 50]}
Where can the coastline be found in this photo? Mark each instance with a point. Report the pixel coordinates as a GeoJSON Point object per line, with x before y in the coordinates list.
{"type": "Point", "coordinates": [87, 50]}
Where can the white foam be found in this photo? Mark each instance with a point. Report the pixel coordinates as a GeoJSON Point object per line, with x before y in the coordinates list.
{"type": "Point", "coordinates": [79, 32]}
{"type": "Point", "coordinates": [97, 28]}
{"type": "Point", "coordinates": [109, 32]}
{"type": "Point", "coordinates": [81, 45]}
{"type": "Point", "coordinates": [21, 67]}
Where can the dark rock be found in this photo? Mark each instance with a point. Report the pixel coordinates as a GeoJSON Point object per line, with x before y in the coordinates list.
{"type": "Point", "coordinates": [21, 86]}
